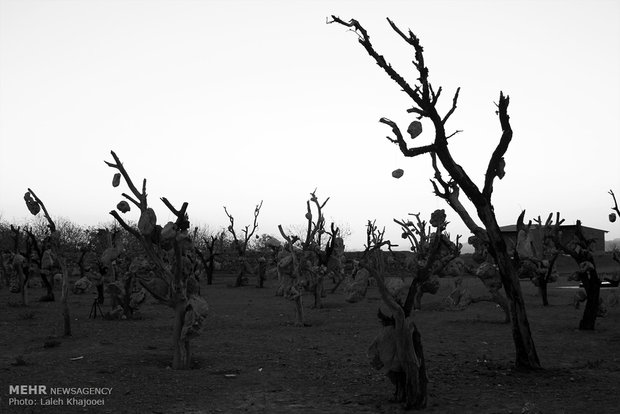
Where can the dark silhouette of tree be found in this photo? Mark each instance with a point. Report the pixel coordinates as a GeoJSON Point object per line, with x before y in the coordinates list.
{"type": "Point", "coordinates": [166, 248]}
{"type": "Point", "coordinates": [425, 98]}
{"type": "Point", "coordinates": [580, 249]}
{"type": "Point", "coordinates": [51, 254]}
{"type": "Point", "coordinates": [241, 244]}
{"type": "Point", "coordinates": [398, 347]}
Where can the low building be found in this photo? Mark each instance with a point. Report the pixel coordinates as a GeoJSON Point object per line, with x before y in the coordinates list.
{"type": "Point", "coordinates": [567, 233]}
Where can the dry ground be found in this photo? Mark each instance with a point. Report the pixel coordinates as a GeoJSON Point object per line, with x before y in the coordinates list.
{"type": "Point", "coordinates": [249, 357]}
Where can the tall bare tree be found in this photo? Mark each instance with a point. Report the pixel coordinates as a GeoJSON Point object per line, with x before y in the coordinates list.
{"type": "Point", "coordinates": [241, 244]}
{"type": "Point", "coordinates": [172, 282]}
{"type": "Point", "coordinates": [425, 98]}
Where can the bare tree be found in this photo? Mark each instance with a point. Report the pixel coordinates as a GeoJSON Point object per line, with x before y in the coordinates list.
{"type": "Point", "coordinates": [20, 265]}
{"type": "Point", "coordinates": [290, 275]}
{"type": "Point", "coordinates": [172, 282]}
{"type": "Point", "coordinates": [536, 263]}
{"type": "Point", "coordinates": [432, 252]}
{"type": "Point", "coordinates": [398, 348]}
{"type": "Point", "coordinates": [241, 245]}
{"type": "Point", "coordinates": [207, 251]}
{"type": "Point", "coordinates": [425, 98]}
{"type": "Point", "coordinates": [318, 247]}
{"type": "Point", "coordinates": [580, 249]}
{"type": "Point", "coordinates": [50, 254]}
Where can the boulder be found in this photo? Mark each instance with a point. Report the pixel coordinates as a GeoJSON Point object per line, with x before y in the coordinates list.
{"type": "Point", "coordinates": [82, 285]}
{"type": "Point", "coordinates": [397, 288]}
{"type": "Point", "coordinates": [355, 287]}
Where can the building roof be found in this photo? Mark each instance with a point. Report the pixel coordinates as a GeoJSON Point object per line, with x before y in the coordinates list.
{"type": "Point", "coordinates": [512, 228]}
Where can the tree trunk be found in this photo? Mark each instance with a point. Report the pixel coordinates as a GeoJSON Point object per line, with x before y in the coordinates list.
{"type": "Point", "coordinates": [22, 280]}
{"type": "Point", "coordinates": [592, 285]}
{"type": "Point", "coordinates": [526, 355]}
{"type": "Point", "coordinates": [242, 273]}
{"type": "Point", "coordinates": [49, 287]}
{"type": "Point", "coordinates": [128, 287]}
{"type": "Point", "coordinates": [100, 296]}
{"type": "Point", "coordinates": [542, 288]}
{"type": "Point", "coordinates": [420, 401]}
{"type": "Point", "coordinates": [66, 316]}
{"type": "Point", "coordinates": [262, 271]}
{"type": "Point", "coordinates": [415, 289]}
{"type": "Point", "coordinates": [417, 299]}
{"type": "Point", "coordinates": [299, 311]}
{"type": "Point", "coordinates": [318, 292]}
{"type": "Point", "coordinates": [209, 270]}
{"type": "Point", "coordinates": [182, 354]}
{"type": "Point", "coordinates": [410, 380]}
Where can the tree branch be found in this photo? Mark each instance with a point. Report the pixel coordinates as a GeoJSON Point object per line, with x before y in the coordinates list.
{"type": "Point", "coordinates": [615, 207]}
{"type": "Point", "coordinates": [451, 195]}
{"type": "Point", "coordinates": [50, 222]}
{"type": "Point", "coordinates": [364, 40]}
{"type": "Point", "coordinates": [496, 163]}
{"type": "Point", "coordinates": [400, 141]}
{"type": "Point", "coordinates": [451, 111]}
{"type": "Point", "coordinates": [141, 196]}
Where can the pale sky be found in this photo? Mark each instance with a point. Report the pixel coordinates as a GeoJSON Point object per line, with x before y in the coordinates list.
{"type": "Point", "coordinates": [232, 102]}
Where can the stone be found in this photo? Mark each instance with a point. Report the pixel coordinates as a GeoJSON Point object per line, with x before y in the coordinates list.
{"type": "Point", "coordinates": [123, 206]}
{"type": "Point", "coordinates": [414, 129]}
{"type": "Point", "coordinates": [355, 287]}
{"type": "Point", "coordinates": [397, 173]}
{"type": "Point", "coordinates": [147, 221]}
{"type": "Point", "coordinates": [116, 180]}
{"type": "Point", "coordinates": [82, 285]}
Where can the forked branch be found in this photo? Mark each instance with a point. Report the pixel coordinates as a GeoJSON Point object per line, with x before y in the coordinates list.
{"type": "Point", "coordinates": [141, 196]}
{"type": "Point", "coordinates": [364, 40]}
{"type": "Point", "coordinates": [400, 141]}
{"type": "Point", "coordinates": [615, 207]}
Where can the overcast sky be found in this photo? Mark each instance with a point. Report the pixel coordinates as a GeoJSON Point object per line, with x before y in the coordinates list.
{"type": "Point", "coordinates": [232, 102]}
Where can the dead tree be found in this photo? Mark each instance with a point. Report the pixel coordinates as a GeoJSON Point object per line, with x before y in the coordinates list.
{"type": "Point", "coordinates": [241, 245]}
{"type": "Point", "coordinates": [580, 249]}
{"type": "Point", "coordinates": [171, 282]}
{"type": "Point", "coordinates": [398, 348]}
{"type": "Point", "coordinates": [45, 260]}
{"type": "Point", "coordinates": [290, 275]}
{"type": "Point", "coordinates": [425, 98]}
{"type": "Point", "coordinates": [208, 253]}
{"type": "Point", "coordinates": [432, 252]}
{"type": "Point", "coordinates": [51, 254]}
{"type": "Point", "coordinates": [20, 266]}
{"type": "Point", "coordinates": [535, 263]}
{"type": "Point", "coordinates": [318, 248]}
